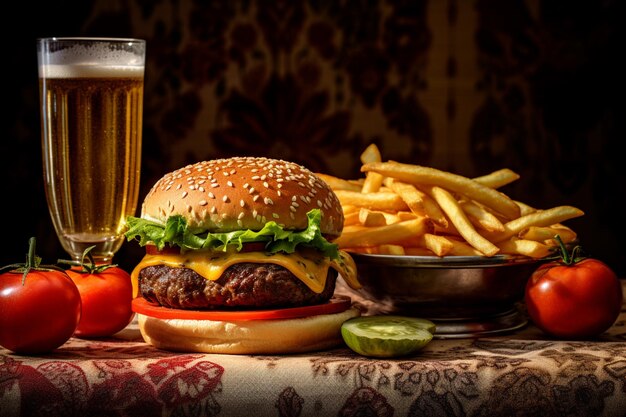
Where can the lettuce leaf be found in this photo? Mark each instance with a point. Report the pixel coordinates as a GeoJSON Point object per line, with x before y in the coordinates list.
{"type": "Point", "coordinates": [176, 233]}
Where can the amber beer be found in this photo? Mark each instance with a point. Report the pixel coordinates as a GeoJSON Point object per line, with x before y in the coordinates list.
{"type": "Point", "coordinates": [91, 142]}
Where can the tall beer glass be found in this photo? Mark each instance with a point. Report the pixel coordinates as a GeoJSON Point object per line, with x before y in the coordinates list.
{"type": "Point", "coordinates": [91, 93]}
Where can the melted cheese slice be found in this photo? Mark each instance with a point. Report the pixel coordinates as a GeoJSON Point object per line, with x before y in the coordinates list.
{"type": "Point", "coordinates": [310, 267]}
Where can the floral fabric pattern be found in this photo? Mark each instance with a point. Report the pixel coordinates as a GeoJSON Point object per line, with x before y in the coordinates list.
{"type": "Point", "coordinates": [521, 373]}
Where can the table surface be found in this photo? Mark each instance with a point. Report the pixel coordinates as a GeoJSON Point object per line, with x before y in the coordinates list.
{"type": "Point", "coordinates": [523, 372]}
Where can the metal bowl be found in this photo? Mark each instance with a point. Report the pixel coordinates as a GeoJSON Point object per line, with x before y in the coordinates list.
{"type": "Point", "coordinates": [463, 295]}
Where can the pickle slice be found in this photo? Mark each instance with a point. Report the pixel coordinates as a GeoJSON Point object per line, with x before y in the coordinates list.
{"type": "Point", "coordinates": [387, 336]}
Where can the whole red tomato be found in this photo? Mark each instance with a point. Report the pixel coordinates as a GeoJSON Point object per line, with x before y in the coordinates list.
{"type": "Point", "coordinates": [106, 293]}
{"type": "Point", "coordinates": [573, 298]}
{"type": "Point", "coordinates": [40, 307]}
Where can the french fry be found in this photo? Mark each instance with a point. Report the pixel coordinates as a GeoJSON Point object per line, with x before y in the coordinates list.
{"type": "Point", "coordinates": [546, 234]}
{"type": "Point", "coordinates": [481, 217]}
{"type": "Point", "coordinates": [498, 178]}
{"type": "Point", "coordinates": [337, 183]}
{"type": "Point", "coordinates": [417, 251]}
{"type": "Point", "coordinates": [370, 250]}
{"type": "Point", "coordinates": [416, 174]}
{"type": "Point", "coordinates": [391, 249]}
{"type": "Point", "coordinates": [418, 201]}
{"type": "Point", "coordinates": [397, 217]}
{"type": "Point", "coordinates": [538, 218]}
{"type": "Point", "coordinates": [460, 221]}
{"type": "Point", "coordinates": [373, 180]}
{"type": "Point", "coordinates": [524, 247]}
{"type": "Point", "coordinates": [439, 245]}
{"type": "Point", "coordinates": [461, 248]}
{"type": "Point", "coordinates": [406, 215]}
{"type": "Point", "coordinates": [373, 236]}
{"type": "Point", "coordinates": [351, 218]}
{"type": "Point", "coordinates": [371, 218]}
{"type": "Point", "coordinates": [372, 201]}
{"type": "Point", "coordinates": [524, 208]}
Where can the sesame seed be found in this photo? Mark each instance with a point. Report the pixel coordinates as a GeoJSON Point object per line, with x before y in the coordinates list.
{"type": "Point", "coordinates": [319, 203]}
{"type": "Point", "coordinates": [203, 202]}
{"type": "Point", "coordinates": [268, 200]}
{"type": "Point", "coordinates": [254, 213]}
{"type": "Point", "coordinates": [211, 195]}
{"type": "Point", "coordinates": [226, 174]}
{"type": "Point", "coordinates": [242, 203]}
{"type": "Point", "coordinates": [230, 184]}
{"type": "Point", "coordinates": [241, 215]}
{"type": "Point", "coordinates": [292, 208]}
{"type": "Point", "coordinates": [179, 186]}
{"type": "Point", "coordinates": [294, 198]}
{"type": "Point", "coordinates": [251, 190]}
{"type": "Point", "coordinates": [256, 197]}
{"type": "Point", "coordinates": [294, 204]}
{"type": "Point", "coordinates": [201, 189]}
{"type": "Point", "coordinates": [185, 194]}
{"type": "Point", "coordinates": [213, 210]}
{"type": "Point", "coordinates": [225, 199]}
{"type": "Point", "coordinates": [263, 177]}
{"type": "Point", "coordinates": [255, 177]}
{"type": "Point", "coordinates": [265, 184]}
{"type": "Point", "coordinates": [279, 193]}
{"type": "Point", "coordinates": [239, 223]}
{"type": "Point", "coordinates": [275, 215]}
{"type": "Point", "coordinates": [246, 185]}
{"type": "Point", "coordinates": [279, 185]}
{"type": "Point", "coordinates": [292, 216]}
{"type": "Point", "coordinates": [215, 185]}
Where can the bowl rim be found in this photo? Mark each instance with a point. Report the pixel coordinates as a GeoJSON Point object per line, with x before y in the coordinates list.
{"type": "Point", "coordinates": [415, 261]}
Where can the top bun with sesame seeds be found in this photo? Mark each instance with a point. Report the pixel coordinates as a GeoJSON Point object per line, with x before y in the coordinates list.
{"type": "Point", "coordinates": [240, 259]}
{"type": "Point", "coordinates": [244, 193]}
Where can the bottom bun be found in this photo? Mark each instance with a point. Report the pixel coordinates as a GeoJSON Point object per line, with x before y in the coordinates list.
{"type": "Point", "coordinates": [305, 334]}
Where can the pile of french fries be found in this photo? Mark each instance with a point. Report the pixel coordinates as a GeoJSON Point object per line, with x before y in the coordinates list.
{"type": "Point", "coordinates": [405, 209]}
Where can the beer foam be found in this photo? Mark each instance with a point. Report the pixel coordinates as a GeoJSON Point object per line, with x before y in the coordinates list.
{"type": "Point", "coordinates": [90, 71]}
{"type": "Point", "coordinates": [91, 61]}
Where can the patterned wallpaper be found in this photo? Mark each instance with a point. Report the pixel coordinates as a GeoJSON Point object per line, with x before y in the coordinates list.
{"type": "Point", "coordinates": [466, 86]}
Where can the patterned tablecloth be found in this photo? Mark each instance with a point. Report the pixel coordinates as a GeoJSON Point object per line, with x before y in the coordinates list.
{"type": "Point", "coordinates": [520, 373]}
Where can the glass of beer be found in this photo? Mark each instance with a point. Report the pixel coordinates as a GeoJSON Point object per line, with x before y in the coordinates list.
{"type": "Point", "coordinates": [91, 95]}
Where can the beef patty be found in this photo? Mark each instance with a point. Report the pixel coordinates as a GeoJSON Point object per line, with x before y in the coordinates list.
{"type": "Point", "coordinates": [242, 285]}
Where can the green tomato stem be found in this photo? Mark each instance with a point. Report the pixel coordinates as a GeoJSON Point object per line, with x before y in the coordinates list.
{"type": "Point", "coordinates": [33, 263]}
{"type": "Point", "coordinates": [567, 258]}
{"type": "Point", "coordinates": [89, 266]}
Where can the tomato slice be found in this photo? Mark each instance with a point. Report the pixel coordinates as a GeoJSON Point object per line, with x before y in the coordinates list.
{"type": "Point", "coordinates": [335, 305]}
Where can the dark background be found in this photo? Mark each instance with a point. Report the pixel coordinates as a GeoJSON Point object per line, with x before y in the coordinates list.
{"type": "Point", "coordinates": [316, 81]}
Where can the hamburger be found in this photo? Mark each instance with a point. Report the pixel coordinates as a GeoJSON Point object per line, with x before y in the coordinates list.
{"type": "Point", "coordinates": [239, 259]}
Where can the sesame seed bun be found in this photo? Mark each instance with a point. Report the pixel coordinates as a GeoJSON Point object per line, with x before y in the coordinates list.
{"type": "Point", "coordinates": [244, 193]}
